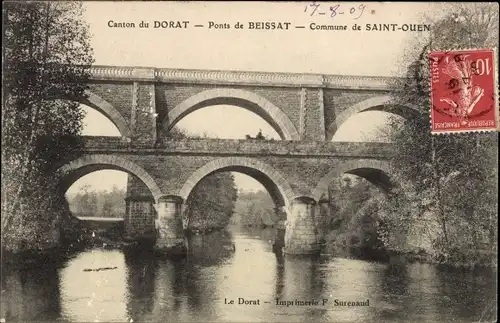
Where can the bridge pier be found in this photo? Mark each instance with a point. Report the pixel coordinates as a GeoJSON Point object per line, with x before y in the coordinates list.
{"type": "Point", "coordinates": [279, 241]}
{"type": "Point", "coordinates": [170, 235]}
{"type": "Point", "coordinates": [139, 218]}
{"type": "Point", "coordinates": [301, 233]}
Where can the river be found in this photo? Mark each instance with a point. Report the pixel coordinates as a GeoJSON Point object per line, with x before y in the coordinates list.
{"type": "Point", "coordinates": [201, 287]}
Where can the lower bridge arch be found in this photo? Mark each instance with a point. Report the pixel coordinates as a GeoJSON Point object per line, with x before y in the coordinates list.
{"type": "Point", "coordinates": [89, 163]}
{"type": "Point", "coordinates": [375, 171]}
{"type": "Point", "coordinates": [271, 179]}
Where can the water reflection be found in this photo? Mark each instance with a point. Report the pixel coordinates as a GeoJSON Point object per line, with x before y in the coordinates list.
{"type": "Point", "coordinates": [210, 250]}
{"type": "Point", "coordinates": [393, 283]}
{"type": "Point", "coordinates": [88, 296]}
{"type": "Point", "coordinates": [280, 275]}
{"type": "Point", "coordinates": [142, 271]}
{"type": "Point", "coordinates": [201, 286]}
{"type": "Point", "coordinates": [461, 287]}
{"type": "Point", "coordinates": [31, 293]}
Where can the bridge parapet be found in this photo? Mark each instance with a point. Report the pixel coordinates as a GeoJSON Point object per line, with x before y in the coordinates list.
{"type": "Point", "coordinates": [98, 144]}
{"type": "Point", "coordinates": [266, 79]}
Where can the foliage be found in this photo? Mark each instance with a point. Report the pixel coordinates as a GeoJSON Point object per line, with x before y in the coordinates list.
{"type": "Point", "coordinates": [211, 204]}
{"type": "Point", "coordinates": [454, 176]}
{"type": "Point", "coordinates": [351, 224]}
{"type": "Point", "coordinates": [102, 204]}
{"type": "Point", "coordinates": [178, 134]}
{"type": "Point", "coordinates": [255, 209]}
{"type": "Point", "coordinates": [46, 58]}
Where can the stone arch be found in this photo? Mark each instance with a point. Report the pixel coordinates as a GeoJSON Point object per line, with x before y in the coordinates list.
{"type": "Point", "coordinates": [107, 109]}
{"type": "Point", "coordinates": [375, 171]}
{"type": "Point", "coordinates": [273, 180]}
{"type": "Point", "coordinates": [90, 163]}
{"type": "Point", "coordinates": [244, 99]}
{"type": "Point", "coordinates": [383, 103]}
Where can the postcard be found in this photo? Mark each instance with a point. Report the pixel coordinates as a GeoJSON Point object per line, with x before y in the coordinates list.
{"type": "Point", "coordinates": [204, 161]}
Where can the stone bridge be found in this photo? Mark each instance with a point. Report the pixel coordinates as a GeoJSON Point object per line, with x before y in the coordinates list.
{"type": "Point", "coordinates": [305, 110]}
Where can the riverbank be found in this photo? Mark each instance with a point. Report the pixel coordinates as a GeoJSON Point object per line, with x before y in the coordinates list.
{"type": "Point", "coordinates": [85, 238]}
{"type": "Point", "coordinates": [76, 236]}
{"type": "Point", "coordinates": [39, 257]}
{"type": "Point", "coordinates": [457, 259]}
{"type": "Point", "coordinates": [454, 259]}
{"type": "Point", "coordinates": [362, 242]}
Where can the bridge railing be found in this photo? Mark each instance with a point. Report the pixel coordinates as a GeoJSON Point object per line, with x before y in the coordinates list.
{"type": "Point", "coordinates": [171, 75]}
{"type": "Point", "coordinates": [239, 147]}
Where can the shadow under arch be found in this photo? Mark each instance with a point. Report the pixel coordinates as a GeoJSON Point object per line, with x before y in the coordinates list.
{"type": "Point", "coordinates": [236, 97]}
{"type": "Point", "coordinates": [271, 179]}
{"type": "Point", "coordinates": [97, 103]}
{"type": "Point", "coordinates": [87, 164]}
{"type": "Point", "coordinates": [383, 103]}
{"type": "Point", "coordinates": [375, 171]}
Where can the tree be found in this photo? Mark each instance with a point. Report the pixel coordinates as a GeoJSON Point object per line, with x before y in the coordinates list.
{"type": "Point", "coordinates": [351, 226]}
{"type": "Point", "coordinates": [107, 208]}
{"type": "Point", "coordinates": [82, 202]}
{"type": "Point", "coordinates": [211, 204]}
{"type": "Point", "coordinates": [117, 199]}
{"type": "Point", "coordinates": [46, 65]}
{"type": "Point", "coordinates": [256, 209]}
{"type": "Point", "coordinates": [454, 176]}
{"type": "Point", "coordinates": [101, 203]}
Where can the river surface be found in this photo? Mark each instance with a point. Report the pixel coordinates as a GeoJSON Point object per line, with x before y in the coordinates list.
{"type": "Point", "coordinates": [201, 287]}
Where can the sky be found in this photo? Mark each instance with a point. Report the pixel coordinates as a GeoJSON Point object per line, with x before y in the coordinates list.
{"type": "Point", "coordinates": [370, 53]}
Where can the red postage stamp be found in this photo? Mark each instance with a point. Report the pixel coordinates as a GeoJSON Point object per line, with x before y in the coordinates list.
{"type": "Point", "coordinates": [463, 91]}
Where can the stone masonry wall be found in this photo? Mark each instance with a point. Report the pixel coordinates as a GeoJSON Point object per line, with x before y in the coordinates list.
{"type": "Point", "coordinates": [172, 172]}
{"type": "Point", "coordinates": [145, 123]}
{"type": "Point", "coordinates": [140, 213]}
{"type": "Point", "coordinates": [118, 94]}
{"type": "Point", "coordinates": [302, 164]}
{"type": "Point", "coordinates": [140, 220]}
{"type": "Point", "coordinates": [103, 144]}
{"type": "Point", "coordinates": [137, 189]}
{"type": "Point", "coordinates": [318, 113]}
{"type": "Point", "coordinates": [313, 110]}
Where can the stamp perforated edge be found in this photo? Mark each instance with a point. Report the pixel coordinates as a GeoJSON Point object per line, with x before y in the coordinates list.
{"type": "Point", "coordinates": [495, 98]}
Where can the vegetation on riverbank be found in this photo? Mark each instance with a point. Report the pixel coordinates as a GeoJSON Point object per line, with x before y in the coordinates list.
{"type": "Point", "coordinates": [46, 64]}
{"type": "Point", "coordinates": [348, 228]}
{"type": "Point", "coordinates": [254, 209]}
{"type": "Point", "coordinates": [211, 204]}
{"type": "Point", "coordinates": [88, 203]}
{"type": "Point", "coordinates": [453, 178]}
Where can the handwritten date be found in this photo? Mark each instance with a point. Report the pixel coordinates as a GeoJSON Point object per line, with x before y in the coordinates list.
{"type": "Point", "coordinates": [321, 9]}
